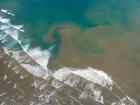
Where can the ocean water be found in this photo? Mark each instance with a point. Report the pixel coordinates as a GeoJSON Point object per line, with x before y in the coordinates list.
{"type": "Point", "coordinates": [69, 52]}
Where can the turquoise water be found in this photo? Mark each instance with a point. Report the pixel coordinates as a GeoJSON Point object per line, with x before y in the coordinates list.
{"type": "Point", "coordinates": [102, 34]}
{"type": "Point", "coordinates": [39, 15]}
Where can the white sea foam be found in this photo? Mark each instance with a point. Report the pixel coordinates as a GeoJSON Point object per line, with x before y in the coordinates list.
{"type": "Point", "coordinates": [36, 70]}
{"type": "Point", "coordinates": [95, 76]}
{"type": "Point", "coordinates": [5, 50]}
{"type": "Point", "coordinates": [17, 71]}
{"type": "Point", "coordinates": [4, 20]}
{"type": "Point", "coordinates": [9, 65]}
{"type": "Point", "coordinates": [90, 74]}
{"type": "Point", "coordinates": [14, 68]}
{"type": "Point", "coordinates": [5, 77]}
{"type": "Point", "coordinates": [2, 94]}
{"type": "Point", "coordinates": [6, 11]}
{"type": "Point", "coordinates": [15, 86]}
{"type": "Point", "coordinates": [26, 47]}
{"type": "Point", "coordinates": [7, 23]}
{"type": "Point", "coordinates": [69, 76]}
{"type": "Point", "coordinates": [41, 56]}
{"type": "Point", "coordinates": [55, 83]}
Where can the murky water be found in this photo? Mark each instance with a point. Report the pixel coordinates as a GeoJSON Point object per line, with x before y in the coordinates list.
{"type": "Point", "coordinates": [66, 52]}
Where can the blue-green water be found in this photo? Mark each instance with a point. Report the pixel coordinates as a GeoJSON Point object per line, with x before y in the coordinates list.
{"type": "Point", "coordinates": [103, 34]}
{"type": "Point", "coordinates": [39, 15]}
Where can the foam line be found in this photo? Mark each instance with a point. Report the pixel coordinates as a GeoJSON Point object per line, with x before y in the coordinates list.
{"type": "Point", "coordinates": [6, 11]}
{"type": "Point", "coordinates": [65, 74]}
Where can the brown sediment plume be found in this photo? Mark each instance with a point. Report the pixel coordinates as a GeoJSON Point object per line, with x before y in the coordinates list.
{"type": "Point", "coordinates": [63, 29]}
{"type": "Point", "coordinates": [116, 60]}
{"type": "Point", "coordinates": [71, 36]}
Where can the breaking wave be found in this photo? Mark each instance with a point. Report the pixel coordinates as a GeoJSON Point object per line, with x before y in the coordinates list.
{"type": "Point", "coordinates": [87, 84]}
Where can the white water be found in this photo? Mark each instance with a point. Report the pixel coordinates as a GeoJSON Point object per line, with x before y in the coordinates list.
{"type": "Point", "coordinates": [35, 61]}
{"type": "Point", "coordinates": [6, 11]}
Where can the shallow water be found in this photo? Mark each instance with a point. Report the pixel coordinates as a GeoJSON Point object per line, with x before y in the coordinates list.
{"type": "Point", "coordinates": [66, 52]}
